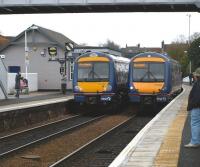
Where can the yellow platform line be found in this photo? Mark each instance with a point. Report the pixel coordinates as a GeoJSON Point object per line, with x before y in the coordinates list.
{"type": "Point", "coordinates": [168, 154]}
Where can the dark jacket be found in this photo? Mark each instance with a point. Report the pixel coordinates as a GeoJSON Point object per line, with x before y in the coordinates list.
{"type": "Point", "coordinates": [194, 97]}
{"type": "Point", "coordinates": [17, 81]}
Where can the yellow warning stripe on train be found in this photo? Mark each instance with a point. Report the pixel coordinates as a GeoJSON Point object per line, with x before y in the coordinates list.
{"type": "Point", "coordinates": [92, 86]}
{"type": "Point", "coordinates": [89, 59]}
{"type": "Point", "coordinates": [148, 59]}
{"type": "Point", "coordinates": [149, 87]}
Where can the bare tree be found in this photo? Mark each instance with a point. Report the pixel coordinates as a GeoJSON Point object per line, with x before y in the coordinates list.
{"type": "Point", "coordinates": [180, 39]}
{"type": "Point", "coordinates": [195, 36]}
{"type": "Point", "coordinates": [110, 44]}
{"type": "Point", "coordinates": [83, 44]}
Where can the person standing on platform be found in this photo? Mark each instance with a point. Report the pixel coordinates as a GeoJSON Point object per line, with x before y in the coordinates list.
{"type": "Point", "coordinates": [194, 108]}
{"type": "Point", "coordinates": [17, 84]}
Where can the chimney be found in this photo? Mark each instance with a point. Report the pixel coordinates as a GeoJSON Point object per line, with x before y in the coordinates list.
{"type": "Point", "coordinates": [163, 46]}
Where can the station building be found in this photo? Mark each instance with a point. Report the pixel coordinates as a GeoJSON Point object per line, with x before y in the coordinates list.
{"type": "Point", "coordinates": [39, 40]}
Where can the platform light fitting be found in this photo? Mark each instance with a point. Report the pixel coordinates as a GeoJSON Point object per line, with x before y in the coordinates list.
{"type": "Point", "coordinates": [69, 46]}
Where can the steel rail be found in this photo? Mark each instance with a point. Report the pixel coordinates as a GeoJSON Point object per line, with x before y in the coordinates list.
{"type": "Point", "coordinates": [49, 136]}
{"type": "Point", "coordinates": [36, 127]}
{"type": "Point", "coordinates": [56, 164]}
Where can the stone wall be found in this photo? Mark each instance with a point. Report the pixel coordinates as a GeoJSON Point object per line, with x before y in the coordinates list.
{"type": "Point", "coordinates": [25, 117]}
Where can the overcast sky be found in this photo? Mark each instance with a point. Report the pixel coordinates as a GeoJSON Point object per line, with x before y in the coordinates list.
{"type": "Point", "coordinates": [148, 29]}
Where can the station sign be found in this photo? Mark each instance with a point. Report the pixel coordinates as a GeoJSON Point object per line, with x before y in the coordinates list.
{"type": "Point", "coordinates": [52, 51]}
{"type": "Point", "coordinates": [69, 46]}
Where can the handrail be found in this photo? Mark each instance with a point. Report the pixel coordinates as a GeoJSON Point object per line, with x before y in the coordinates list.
{"type": "Point", "coordinates": [4, 65]}
{"type": "Point", "coordinates": [3, 90]}
{"type": "Point", "coordinates": [3, 78]}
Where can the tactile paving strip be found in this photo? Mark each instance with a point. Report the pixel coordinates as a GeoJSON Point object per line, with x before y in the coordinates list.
{"type": "Point", "coordinates": [169, 151]}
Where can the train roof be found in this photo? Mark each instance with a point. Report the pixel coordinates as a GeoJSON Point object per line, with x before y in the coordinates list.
{"type": "Point", "coordinates": [155, 54]}
{"type": "Point", "coordinates": [109, 56]}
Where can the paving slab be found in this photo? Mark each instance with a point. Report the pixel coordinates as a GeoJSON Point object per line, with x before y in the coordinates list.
{"type": "Point", "coordinates": [33, 100]}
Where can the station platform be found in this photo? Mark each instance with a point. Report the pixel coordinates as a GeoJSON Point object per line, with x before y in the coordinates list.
{"type": "Point", "coordinates": [33, 100]}
{"type": "Point", "coordinates": [161, 142]}
{"type": "Point", "coordinates": [31, 109]}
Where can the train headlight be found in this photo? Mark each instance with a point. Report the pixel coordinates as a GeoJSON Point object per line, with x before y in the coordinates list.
{"type": "Point", "coordinates": [77, 88]}
{"type": "Point", "coordinates": [108, 88]}
{"type": "Point", "coordinates": [163, 89]}
{"type": "Point", "coordinates": [132, 88]}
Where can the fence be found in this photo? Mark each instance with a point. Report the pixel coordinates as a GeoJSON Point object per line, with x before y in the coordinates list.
{"type": "Point", "coordinates": [3, 80]}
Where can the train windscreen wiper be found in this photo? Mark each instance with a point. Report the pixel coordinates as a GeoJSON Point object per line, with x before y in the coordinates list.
{"type": "Point", "coordinates": [153, 76]}
{"type": "Point", "coordinates": [92, 73]}
{"type": "Point", "coordinates": [148, 73]}
{"type": "Point", "coordinates": [142, 78]}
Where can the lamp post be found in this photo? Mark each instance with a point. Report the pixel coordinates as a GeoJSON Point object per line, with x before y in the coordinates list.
{"type": "Point", "coordinates": [69, 47]}
{"type": "Point", "coordinates": [190, 63]}
{"type": "Point", "coordinates": [27, 49]}
{"type": "Point", "coordinates": [26, 55]}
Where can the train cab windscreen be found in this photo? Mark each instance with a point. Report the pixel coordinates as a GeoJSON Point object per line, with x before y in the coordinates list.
{"type": "Point", "coordinates": [148, 72]}
{"type": "Point", "coordinates": [93, 71]}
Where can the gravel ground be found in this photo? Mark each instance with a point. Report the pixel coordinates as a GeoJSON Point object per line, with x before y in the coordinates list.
{"type": "Point", "coordinates": [36, 134]}
{"type": "Point", "coordinates": [53, 150]}
{"type": "Point", "coordinates": [35, 125]}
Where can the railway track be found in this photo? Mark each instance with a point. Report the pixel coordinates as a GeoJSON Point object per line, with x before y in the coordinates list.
{"type": "Point", "coordinates": [101, 151]}
{"type": "Point", "coordinates": [20, 140]}
{"type": "Point", "coordinates": [73, 140]}
{"type": "Point", "coordinates": [82, 143]}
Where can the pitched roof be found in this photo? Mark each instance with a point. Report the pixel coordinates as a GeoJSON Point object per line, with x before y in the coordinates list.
{"type": "Point", "coordinates": [135, 49]}
{"type": "Point", "coordinates": [53, 36]}
{"type": "Point", "coordinates": [97, 47]}
{"type": "Point", "coordinates": [131, 51]}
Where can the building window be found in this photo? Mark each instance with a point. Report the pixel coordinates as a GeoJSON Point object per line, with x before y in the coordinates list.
{"type": "Point", "coordinates": [71, 70]}
{"type": "Point", "coordinates": [14, 69]}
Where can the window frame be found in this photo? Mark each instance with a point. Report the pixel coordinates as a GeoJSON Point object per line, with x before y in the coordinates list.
{"type": "Point", "coordinates": [93, 62]}
{"type": "Point", "coordinates": [148, 67]}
